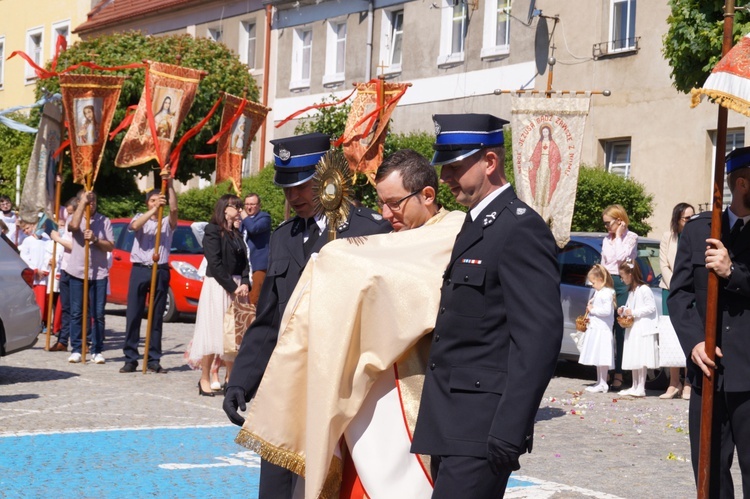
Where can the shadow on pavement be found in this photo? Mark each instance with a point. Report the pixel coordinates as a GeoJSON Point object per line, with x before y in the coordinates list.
{"type": "Point", "coordinates": [17, 398]}
{"type": "Point", "coordinates": [547, 413]}
{"type": "Point", "coordinates": [11, 375]}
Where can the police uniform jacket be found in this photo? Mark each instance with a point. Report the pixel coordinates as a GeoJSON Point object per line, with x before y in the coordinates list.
{"type": "Point", "coordinates": [497, 335]}
{"type": "Point", "coordinates": [687, 302]}
{"type": "Point", "coordinates": [285, 265]}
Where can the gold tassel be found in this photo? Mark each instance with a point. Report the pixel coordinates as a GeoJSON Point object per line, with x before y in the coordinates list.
{"type": "Point", "coordinates": [271, 453]}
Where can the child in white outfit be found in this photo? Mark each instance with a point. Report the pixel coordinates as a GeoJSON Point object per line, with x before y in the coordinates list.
{"type": "Point", "coordinates": [597, 349]}
{"type": "Point", "coordinates": [641, 350]}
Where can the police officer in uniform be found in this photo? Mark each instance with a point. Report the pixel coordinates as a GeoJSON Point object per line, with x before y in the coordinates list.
{"type": "Point", "coordinates": [697, 255]}
{"type": "Point", "coordinates": [290, 247]}
{"type": "Point", "coordinates": [499, 326]}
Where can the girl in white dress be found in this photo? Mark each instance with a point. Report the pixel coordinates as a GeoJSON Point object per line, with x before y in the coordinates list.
{"type": "Point", "coordinates": [597, 349]}
{"type": "Point", "coordinates": [641, 350]}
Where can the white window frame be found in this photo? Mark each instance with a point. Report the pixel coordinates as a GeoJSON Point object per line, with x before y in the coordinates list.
{"type": "Point", "coordinates": [609, 145]}
{"type": "Point", "coordinates": [30, 74]}
{"type": "Point", "coordinates": [56, 28]}
{"type": "Point", "coordinates": [629, 30]}
{"type": "Point", "coordinates": [447, 57]}
{"type": "Point", "coordinates": [2, 61]}
{"type": "Point", "coordinates": [216, 33]}
{"type": "Point", "coordinates": [245, 39]}
{"type": "Point", "coordinates": [490, 46]}
{"type": "Point", "coordinates": [299, 80]}
{"type": "Point", "coordinates": [733, 142]}
{"type": "Point", "coordinates": [332, 77]}
{"type": "Point", "coordinates": [388, 42]}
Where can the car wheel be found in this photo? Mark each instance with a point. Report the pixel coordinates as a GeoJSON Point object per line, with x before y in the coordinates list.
{"type": "Point", "coordinates": [657, 379]}
{"type": "Point", "coordinates": [170, 309]}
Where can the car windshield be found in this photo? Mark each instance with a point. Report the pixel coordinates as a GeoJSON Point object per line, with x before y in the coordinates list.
{"type": "Point", "coordinates": [184, 242]}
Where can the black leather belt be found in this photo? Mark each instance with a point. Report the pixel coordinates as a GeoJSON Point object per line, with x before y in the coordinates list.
{"type": "Point", "coordinates": [161, 266]}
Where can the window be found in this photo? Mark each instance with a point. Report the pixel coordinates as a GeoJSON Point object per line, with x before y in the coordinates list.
{"type": "Point", "coordinates": [335, 53]}
{"type": "Point", "coordinates": [216, 34]}
{"type": "Point", "coordinates": [2, 60]}
{"type": "Point", "coordinates": [453, 33]}
{"type": "Point", "coordinates": [391, 43]}
{"type": "Point", "coordinates": [575, 261]}
{"type": "Point", "coordinates": [618, 157]}
{"type": "Point", "coordinates": [247, 44]}
{"type": "Point", "coordinates": [35, 50]}
{"type": "Point", "coordinates": [59, 29]}
{"type": "Point", "coordinates": [735, 139]}
{"type": "Point", "coordinates": [496, 39]}
{"type": "Point", "coordinates": [301, 59]}
{"type": "Point", "coordinates": [622, 27]}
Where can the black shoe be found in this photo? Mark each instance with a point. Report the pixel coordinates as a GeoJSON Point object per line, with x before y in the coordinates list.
{"type": "Point", "coordinates": [156, 368]}
{"type": "Point", "coordinates": [129, 367]}
{"type": "Point", "coordinates": [205, 394]}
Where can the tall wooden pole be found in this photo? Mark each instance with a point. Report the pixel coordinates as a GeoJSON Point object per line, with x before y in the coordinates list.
{"type": "Point", "coordinates": [154, 269]}
{"type": "Point", "coordinates": [266, 79]}
{"type": "Point", "coordinates": [51, 277]}
{"type": "Point", "coordinates": [712, 294]}
{"type": "Point", "coordinates": [86, 246]}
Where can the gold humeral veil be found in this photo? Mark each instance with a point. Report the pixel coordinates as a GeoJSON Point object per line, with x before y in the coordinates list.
{"type": "Point", "coordinates": [357, 309]}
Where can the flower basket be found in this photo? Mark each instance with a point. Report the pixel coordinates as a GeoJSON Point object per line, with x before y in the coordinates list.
{"type": "Point", "coordinates": [582, 322]}
{"type": "Point", "coordinates": [625, 321]}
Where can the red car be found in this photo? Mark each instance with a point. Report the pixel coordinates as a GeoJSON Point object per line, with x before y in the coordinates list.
{"type": "Point", "coordinates": [184, 260]}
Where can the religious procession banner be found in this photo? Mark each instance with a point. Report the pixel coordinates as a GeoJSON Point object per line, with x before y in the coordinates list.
{"type": "Point", "coordinates": [729, 81]}
{"type": "Point", "coordinates": [38, 195]}
{"type": "Point", "coordinates": [547, 138]}
{"type": "Point", "coordinates": [90, 102]}
{"type": "Point", "coordinates": [240, 121]}
{"type": "Point", "coordinates": [367, 124]}
{"type": "Point", "coordinates": [167, 95]}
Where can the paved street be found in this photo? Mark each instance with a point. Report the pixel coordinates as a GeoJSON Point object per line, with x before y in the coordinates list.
{"type": "Point", "coordinates": [74, 431]}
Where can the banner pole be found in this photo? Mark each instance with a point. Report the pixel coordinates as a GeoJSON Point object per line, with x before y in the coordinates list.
{"type": "Point", "coordinates": [53, 266]}
{"type": "Point", "coordinates": [86, 247]}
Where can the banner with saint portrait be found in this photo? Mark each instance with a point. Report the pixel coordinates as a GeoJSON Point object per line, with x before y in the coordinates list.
{"type": "Point", "coordinates": [367, 124]}
{"type": "Point", "coordinates": [168, 93]}
{"type": "Point", "coordinates": [90, 102]}
{"type": "Point", "coordinates": [38, 193]}
{"type": "Point", "coordinates": [547, 139]}
{"type": "Point", "coordinates": [240, 121]}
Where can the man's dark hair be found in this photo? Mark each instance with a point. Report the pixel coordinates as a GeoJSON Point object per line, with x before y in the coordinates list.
{"type": "Point", "coordinates": [4, 198]}
{"type": "Point", "coordinates": [152, 193]}
{"type": "Point", "coordinates": [416, 171]}
{"type": "Point", "coordinates": [740, 173]}
{"type": "Point", "coordinates": [254, 195]}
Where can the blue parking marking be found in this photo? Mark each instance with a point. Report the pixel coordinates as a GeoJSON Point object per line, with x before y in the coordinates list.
{"type": "Point", "coordinates": [157, 462]}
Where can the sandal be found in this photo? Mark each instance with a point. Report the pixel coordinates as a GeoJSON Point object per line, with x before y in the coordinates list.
{"type": "Point", "coordinates": [616, 384]}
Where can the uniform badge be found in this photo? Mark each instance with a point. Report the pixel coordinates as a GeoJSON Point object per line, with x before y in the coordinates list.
{"type": "Point", "coordinates": [343, 226]}
{"type": "Point", "coordinates": [471, 261]}
{"type": "Point", "coordinates": [490, 218]}
{"type": "Point", "coordinates": [377, 216]}
{"type": "Point", "coordinates": [284, 154]}
{"type": "Point", "coordinates": [520, 211]}
{"type": "Point", "coordinates": [437, 128]}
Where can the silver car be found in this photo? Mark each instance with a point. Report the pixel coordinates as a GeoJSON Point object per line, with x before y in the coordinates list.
{"type": "Point", "coordinates": [576, 259]}
{"type": "Point", "coordinates": [20, 317]}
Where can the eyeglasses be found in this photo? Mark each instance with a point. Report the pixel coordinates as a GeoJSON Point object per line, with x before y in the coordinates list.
{"type": "Point", "coordinates": [685, 219]}
{"type": "Point", "coordinates": [396, 205]}
{"type": "Point", "coordinates": [607, 224]}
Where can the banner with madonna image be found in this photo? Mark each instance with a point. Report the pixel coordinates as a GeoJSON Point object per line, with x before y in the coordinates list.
{"type": "Point", "coordinates": [168, 93]}
{"type": "Point", "coordinates": [90, 102]}
{"type": "Point", "coordinates": [240, 121]}
{"type": "Point", "coordinates": [547, 139]}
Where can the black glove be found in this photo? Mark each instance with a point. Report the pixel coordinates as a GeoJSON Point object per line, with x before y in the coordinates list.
{"type": "Point", "coordinates": [234, 398]}
{"type": "Point", "coordinates": [502, 456]}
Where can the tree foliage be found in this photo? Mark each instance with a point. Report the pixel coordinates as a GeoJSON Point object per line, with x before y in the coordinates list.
{"type": "Point", "coordinates": [598, 189]}
{"type": "Point", "coordinates": [15, 149]}
{"type": "Point", "coordinates": [225, 73]}
{"type": "Point", "coordinates": [693, 42]}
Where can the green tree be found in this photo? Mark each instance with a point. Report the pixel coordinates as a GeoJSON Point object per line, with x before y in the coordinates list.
{"type": "Point", "coordinates": [598, 189]}
{"type": "Point", "coordinates": [693, 42]}
{"type": "Point", "coordinates": [225, 73]}
{"type": "Point", "coordinates": [15, 149]}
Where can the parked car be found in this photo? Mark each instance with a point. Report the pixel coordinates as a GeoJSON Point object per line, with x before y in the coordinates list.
{"type": "Point", "coordinates": [575, 260]}
{"type": "Point", "coordinates": [20, 317]}
{"type": "Point", "coordinates": [185, 282]}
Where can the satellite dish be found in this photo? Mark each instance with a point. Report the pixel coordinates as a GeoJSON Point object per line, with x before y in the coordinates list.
{"type": "Point", "coordinates": [541, 45]}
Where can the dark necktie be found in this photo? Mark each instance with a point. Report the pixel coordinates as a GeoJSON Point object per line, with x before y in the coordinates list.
{"type": "Point", "coordinates": [736, 229]}
{"type": "Point", "coordinates": [313, 231]}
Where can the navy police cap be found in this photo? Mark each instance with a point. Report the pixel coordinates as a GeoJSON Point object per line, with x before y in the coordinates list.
{"type": "Point", "coordinates": [461, 135]}
{"type": "Point", "coordinates": [739, 158]}
{"type": "Point", "coordinates": [295, 157]}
